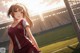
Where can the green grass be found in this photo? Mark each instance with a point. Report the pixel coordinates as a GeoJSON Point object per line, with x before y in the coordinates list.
{"type": "Point", "coordinates": [56, 38]}
{"type": "Point", "coordinates": [59, 45]}
{"type": "Point", "coordinates": [71, 49]}
{"type": "Point", "coordinates": [56, 35]}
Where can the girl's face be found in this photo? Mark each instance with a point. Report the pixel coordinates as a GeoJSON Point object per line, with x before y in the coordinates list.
{"type": "Point", "coordinates": [18, 14]}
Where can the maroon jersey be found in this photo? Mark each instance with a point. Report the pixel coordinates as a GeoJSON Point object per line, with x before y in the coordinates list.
{"type": "Point", "coordinates": [17, 34]}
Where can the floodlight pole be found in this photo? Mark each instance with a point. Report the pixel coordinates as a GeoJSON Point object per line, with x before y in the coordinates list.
{"type": "Point", "coordinates": [73, 19]}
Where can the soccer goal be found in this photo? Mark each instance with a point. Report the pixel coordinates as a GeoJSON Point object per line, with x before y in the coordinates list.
{"type": "Point", "coordinates": [73, 7]}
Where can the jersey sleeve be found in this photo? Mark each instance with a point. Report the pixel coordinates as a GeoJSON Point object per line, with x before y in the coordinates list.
{"type": "Point", "coordinates": [25, 23]}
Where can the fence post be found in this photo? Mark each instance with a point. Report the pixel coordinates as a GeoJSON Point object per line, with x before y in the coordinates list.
{"type": "Point", "coordinates": [73, 19]}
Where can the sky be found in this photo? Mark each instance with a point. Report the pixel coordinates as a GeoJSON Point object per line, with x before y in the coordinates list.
{"type": "Point", "coordinates": [40, 6]}
{"type": "Point", "coordinates": [34, 6]}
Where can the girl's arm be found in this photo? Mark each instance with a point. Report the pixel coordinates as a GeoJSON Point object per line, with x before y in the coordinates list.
{"type": "Point", "coordinates": [10, 49]}
{"type": "Point", "coordinates": [32, 38]}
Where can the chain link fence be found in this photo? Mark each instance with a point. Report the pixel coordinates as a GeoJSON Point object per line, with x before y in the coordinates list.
{"type": "Point", "coordinates": [73, 7]}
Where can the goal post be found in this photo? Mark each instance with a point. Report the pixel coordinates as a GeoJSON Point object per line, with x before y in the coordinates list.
{"type": "Point", "coordinates": [69, 4]}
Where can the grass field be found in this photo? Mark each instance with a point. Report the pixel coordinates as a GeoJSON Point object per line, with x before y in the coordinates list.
{"type": "Point", "coordinates": [57, 38]}
{"type": "Point", "coordinates": [74, 48]}
{"type": "Point", "coordinates": [56, 35]}
{"type": "Point", "coordinates": [53, 48]}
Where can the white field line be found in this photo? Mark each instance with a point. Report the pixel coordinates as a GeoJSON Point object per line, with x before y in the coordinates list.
{"type": "Point", "coordinates": [63, 48]}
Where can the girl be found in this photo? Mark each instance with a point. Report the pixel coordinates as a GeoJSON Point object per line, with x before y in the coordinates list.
{"type": "Point", "coordinates": [21, 42]}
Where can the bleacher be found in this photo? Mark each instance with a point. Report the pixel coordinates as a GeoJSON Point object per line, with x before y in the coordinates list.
{"type": "Point", "coordinates": [53, 19]}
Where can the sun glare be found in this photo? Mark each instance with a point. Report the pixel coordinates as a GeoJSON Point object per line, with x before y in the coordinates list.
{"type": "Point", "coordinates": [39, 6]}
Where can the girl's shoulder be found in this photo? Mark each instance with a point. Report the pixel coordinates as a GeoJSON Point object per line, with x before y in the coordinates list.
{"type": "Point", "coordinates": [9, 26]}
{"type": "Point", "coordinates": [24, 22]}
{"type": "Point", "coordinates": [23, 19]}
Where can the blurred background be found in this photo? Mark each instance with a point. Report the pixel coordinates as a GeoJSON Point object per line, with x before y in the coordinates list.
{"type": "Point", "coordinates": [53, 29]}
